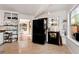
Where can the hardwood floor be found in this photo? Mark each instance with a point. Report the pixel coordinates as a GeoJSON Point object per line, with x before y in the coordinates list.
{"type": "Point", "coordinates": [31, 48]}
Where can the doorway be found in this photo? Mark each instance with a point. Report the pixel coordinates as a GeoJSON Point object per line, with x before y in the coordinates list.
{"type": "Point", "coordinates": [24, 32]}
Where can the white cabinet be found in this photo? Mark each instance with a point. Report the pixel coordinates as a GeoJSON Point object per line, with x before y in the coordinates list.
{"type": "Point", "coordinates": [1, 38]}
{"type": "Point", "coordinates": [53, 24]}
{"type": "Point", "coordinates": [1, 26]}
{"type": "Point", "coordinates": [1, 17]}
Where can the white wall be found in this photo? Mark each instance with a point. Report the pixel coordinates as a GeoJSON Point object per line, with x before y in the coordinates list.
{"type": "Point", "coordinates": [43, 15]}
{"type": "Point", "coordinates": [23, 16]}
{"type": "Point", "coordinates": [62, 14]}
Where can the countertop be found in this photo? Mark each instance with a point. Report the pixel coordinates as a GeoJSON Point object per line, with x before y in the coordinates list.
{"type": "Point", "coordinates": [2, 30]}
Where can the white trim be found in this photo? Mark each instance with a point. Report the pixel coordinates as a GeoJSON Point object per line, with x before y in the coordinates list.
{"type": "Point", "coordinates": [74, 41]}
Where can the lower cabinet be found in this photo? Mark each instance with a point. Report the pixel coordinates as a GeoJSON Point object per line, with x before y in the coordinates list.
{"type": "Point", "coordinates": [54, 38]}
{"type": "Point", "coordinates": [1, 38]}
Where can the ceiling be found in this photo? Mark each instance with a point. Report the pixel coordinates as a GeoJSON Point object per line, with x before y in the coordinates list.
{"type": "Point", "coordinates": [59, 7]}
{"type": "Point", "coordinates": [22, 8]}
{"type": "Point", "coordinates": [35, 9]}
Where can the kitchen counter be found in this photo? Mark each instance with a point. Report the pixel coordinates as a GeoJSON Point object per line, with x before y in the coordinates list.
{"type": "Point", "coordinates": [2, 30]}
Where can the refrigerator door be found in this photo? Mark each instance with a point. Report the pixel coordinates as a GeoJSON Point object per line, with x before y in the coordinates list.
{"type": "Point", "coordinates": [39, 35]}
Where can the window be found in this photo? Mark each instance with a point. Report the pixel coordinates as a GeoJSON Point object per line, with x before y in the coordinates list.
{"type": "Point", "coordinates": [74, 23]}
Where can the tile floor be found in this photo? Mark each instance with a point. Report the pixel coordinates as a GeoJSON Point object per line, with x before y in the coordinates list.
{"type": "Point", "coordinates": [31, 48]}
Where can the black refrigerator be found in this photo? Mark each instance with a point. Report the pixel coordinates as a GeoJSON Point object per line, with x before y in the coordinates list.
{"type": "Point", "coordinates": [39, 31]}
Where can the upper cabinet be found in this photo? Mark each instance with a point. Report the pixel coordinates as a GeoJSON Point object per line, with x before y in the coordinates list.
{"type": "Point", "coordinates": [10, 18]}
{"type": "Point", "coordinates": [53, 24]}
{"type": "Point", "coordinates": [1, 17]}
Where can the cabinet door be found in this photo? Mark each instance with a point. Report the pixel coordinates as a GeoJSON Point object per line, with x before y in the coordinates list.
{"type": "Point", "coordinates": [1, 38]}
{"type": "Point", "coordinates": [53, 38]}
{"type": "Point", "coordinates": [1, 17]}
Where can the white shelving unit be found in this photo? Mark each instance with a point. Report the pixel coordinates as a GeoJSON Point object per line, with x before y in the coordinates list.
{"type": "Point", "coordinates": [11, 25]}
